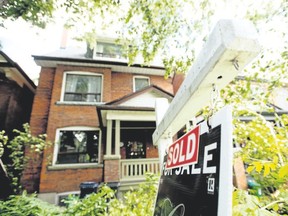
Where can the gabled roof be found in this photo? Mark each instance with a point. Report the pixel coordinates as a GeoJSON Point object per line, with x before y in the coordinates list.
{"type": "Point", "coordinates": [14, 72]}
{"type": "Point", "coordinates": [138, 105]}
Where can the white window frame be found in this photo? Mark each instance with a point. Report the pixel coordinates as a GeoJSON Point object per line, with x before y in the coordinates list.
{"type": "Point", "coordinates": [139, 77]}
{"type": "Point", "coordinates": [80, 128]}
{"type": "Point", "coordinates": [79, 73]}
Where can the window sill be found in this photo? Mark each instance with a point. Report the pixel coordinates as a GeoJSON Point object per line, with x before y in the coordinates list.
{"type": "Point", "coordinates": [78, 103]}
{"type": "Point", "coordinates": [74, 166]}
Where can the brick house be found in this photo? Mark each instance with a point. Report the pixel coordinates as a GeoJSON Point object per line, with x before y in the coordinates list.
{"type": "Point", "coordinates": [16, 97]}
{"type": "Point", "coordinates": [98, 112]}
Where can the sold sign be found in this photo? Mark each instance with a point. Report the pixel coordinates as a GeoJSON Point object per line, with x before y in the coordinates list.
{"type": "Point", "coordinates": [185, 150]}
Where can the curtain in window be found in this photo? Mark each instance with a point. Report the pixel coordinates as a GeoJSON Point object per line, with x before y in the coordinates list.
{"type": "Point", "coordinates": [83, 88]}
{"type": "Point", "coordinates": [71, 85]}
{"type": "Point", "coordinates": [94, 86]}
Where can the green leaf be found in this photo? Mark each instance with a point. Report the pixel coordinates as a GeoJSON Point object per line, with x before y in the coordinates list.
{"type": "Point", "coordinates": [258, 166]}
{"type": "Point", "coordinates": [283, 171]}
{"type": "Point", "coordinates": [266, 170]}
{"type": "Point", "coordinates": [250, 169]}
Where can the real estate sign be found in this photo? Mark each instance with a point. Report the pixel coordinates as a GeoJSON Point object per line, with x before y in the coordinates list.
{"type": "Point", "coordinates": [197, 174]}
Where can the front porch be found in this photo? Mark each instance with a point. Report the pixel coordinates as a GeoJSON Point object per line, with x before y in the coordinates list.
{"type": "Point", "coordinates": [128, 124]}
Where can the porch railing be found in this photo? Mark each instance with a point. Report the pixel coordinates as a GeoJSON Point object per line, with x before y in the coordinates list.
{"type": "Point", "coordinates": [135, 169]}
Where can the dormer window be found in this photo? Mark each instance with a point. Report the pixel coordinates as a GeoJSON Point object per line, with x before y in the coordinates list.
{"type": "Point", "coordinates": [109, 50]}
{"type": "Point", "coordinates": [82, 87]}
{"type": "Point", "coordinates": [140, 82]}
{"type": "Point", "coordinates": [106, 50]}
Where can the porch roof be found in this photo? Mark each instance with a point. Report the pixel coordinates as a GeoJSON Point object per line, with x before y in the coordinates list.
{"type": "Point", "coordinates": [124, 113]}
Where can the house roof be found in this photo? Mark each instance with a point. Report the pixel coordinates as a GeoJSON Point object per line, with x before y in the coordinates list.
{"type": "Point", "coordinates": [14, 72]}
{"type": "Point", "coordinates": [138, 106]}
{"type": "Point", "coordinates": [76, 57]}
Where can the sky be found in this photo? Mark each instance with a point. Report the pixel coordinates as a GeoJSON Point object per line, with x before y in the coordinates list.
{"type": "Point", "coordinates": [20, 41]}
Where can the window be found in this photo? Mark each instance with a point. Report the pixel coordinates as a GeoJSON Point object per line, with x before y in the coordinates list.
{"type": "Point", "coordinates": [62, 197]}
{"type": "Point", "coordinates": [86, 87]}
{"type": "Point", "coordinates": [140, 83]}
{"type": "Point", "coordinates": [109, 50]}
{"type": "Point", "coordinates": [77, 146]}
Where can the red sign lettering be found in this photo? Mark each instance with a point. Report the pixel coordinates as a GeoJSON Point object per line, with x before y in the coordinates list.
{"type": "Point", "coordinates": [185, 150]}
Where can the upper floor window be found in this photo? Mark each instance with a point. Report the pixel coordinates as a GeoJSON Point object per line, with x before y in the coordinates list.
{"type": "Point", "coordinates": [83, 87]}
{"type": "Point", "coordinates": [109, 50]}
{"type": "Point", "coordinates": [77, 145]}
{"type": "Point", "coordinates": [140, 82]}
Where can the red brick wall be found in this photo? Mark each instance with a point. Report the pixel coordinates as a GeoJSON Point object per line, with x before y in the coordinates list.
{"type": "Point", "coordinates": [68, 180]}
{"type": "Point", "coordinates": [122, 84]}
{"type": "Point", "coordinates": [41, 104]}
{"type": "Point", "coordinates": [151, 151]}
{"type": "Point", "coordinates": [38, 124]}
{"type": "Point", "coordinates": [164, 84]}
{"type": "Point", "coordinates": [61, 115]}
{"type": "Point", "coordinates": [177, 81]}
{"type": "Point", "coordinates": [112, 170]}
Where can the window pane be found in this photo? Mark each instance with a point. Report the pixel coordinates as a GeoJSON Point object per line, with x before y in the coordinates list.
{"type": "Point", "coordinates": [83, 88]}
{"type": "Point", "coordinates": [141, 83]}
{"type": "Point", "coordinates": [78, 147]}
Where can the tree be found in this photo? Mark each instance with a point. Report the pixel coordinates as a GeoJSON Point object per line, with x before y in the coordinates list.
{"type": "Point", "coordinates": [174, 30]}
{"type": "Point", "coordinates": [22, 142]}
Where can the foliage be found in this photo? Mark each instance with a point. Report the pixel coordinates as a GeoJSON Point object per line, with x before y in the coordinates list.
{"type": "Point", "coordinates": [136, 202]}
{"type": "Point", "coordinates": [27, 205]}
{"type": "Point", "coordinates": [263, 140]}
{"type": "Point", "coordinates": [23, 140]}
{"type": "Point", "coordinates": [173, 30]}
{"type": "Point", "coordinates": [3, 141]}
{"type": "Point", "coordinates": [93, 204]}
{"type": "Point", "coordinates": [38, 12]}
{"type": "Point", "coordinates": [245, 204]}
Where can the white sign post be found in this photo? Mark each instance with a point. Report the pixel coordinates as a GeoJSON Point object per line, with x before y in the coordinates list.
{"type": "Point", "coordinates": [230, 47]}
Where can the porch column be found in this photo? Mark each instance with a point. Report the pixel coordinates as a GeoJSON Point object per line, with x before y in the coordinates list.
{"type": "Point", "coordinates": [109, 137]}
{"type": "Point", "coordinates": [112, 161]}
{"type": "Point", "coordinates": [117, 137]}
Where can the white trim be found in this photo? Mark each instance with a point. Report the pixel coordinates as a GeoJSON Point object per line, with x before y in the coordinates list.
{"type": "Point", "coordinates": [72, 128]}
{"type": "Point", "coordinates": [75, 166]}
{"type": "Point", "coordinates": [79, 73]}
{"type": "Point", "coordinates": [139, 77]}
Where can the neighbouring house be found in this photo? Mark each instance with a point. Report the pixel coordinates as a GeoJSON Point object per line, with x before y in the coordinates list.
{"type": "Point", "coordinates": [16, 97]}
{"type": "Point", "coordinates": [99, 115]}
